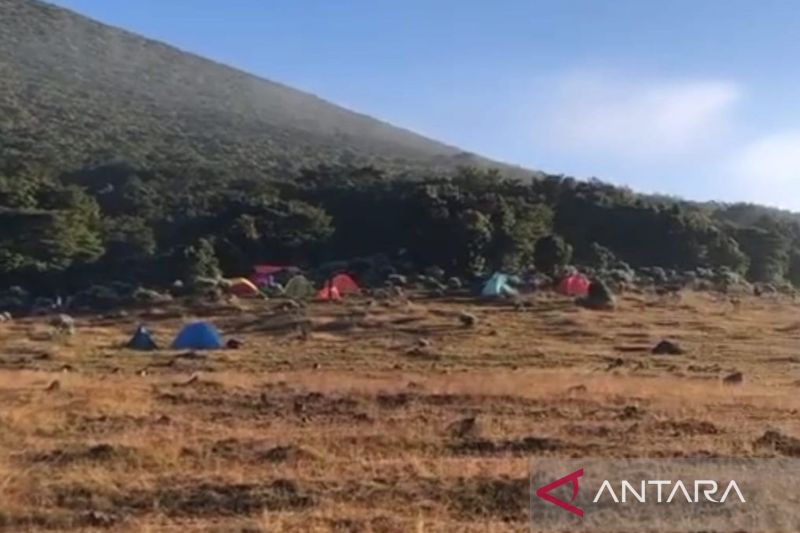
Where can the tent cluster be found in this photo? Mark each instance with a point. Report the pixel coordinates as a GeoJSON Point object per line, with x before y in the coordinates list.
{"type": "Point", "coordinates": [298, 287]}
{"type": "Point", "coordinates": [204, 336]}
{"type": "Point", "coordinates": [193, 336]}
{"type": "Point", "coordinates": [268, 278]}
{"type": "Point", "coordinates": [498, 284]}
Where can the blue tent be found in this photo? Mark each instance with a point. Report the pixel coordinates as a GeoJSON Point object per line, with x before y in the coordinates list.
{"type": "Point", "coordinates": [142, 340]}
{"type": "Point", "coordinates": [497, 285]}
{"type": "Point", "coordinates": [198, 336]}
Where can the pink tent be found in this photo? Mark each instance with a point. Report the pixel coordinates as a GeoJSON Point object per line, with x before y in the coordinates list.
{"type": "Point", "coordinates": [574, 285]}
{"type": "Point", "coordinates": [263, 274]}
{"type": "Point", "coordinates": [267, 270]}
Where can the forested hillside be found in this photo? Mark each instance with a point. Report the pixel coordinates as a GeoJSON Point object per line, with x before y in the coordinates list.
{"type": "Point", "coordinates": [74, 91]}
{"type": "Point", "coordinates": [125, 159]}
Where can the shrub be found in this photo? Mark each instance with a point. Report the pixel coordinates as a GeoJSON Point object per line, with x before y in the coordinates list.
{"type": "Point", "coordinates": [99, 297]}
{"type": "Point", "coordinates": [148, 296]}
{"type": "Point", "coordinates": [551, 254]}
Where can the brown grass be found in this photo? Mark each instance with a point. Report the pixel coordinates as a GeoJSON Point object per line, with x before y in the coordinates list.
{"type": "Point", "coordinates": [347, 431]}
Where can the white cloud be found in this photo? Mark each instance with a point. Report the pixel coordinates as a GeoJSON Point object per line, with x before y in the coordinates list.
{"type": "Point", "coordinates": [637, 119]}
{"type": "Point", "coordinates": [774, 159]}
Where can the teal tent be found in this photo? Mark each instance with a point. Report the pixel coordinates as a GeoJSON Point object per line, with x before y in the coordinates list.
{"type": "Point", "coordinates": [198, 336]}
{"type": "Point", "coordinates": [498, 285]}
{"type": "Point", "coordinates": [142, 340]}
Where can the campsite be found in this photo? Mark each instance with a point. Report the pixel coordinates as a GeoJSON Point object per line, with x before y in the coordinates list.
{"type": "Point", "coordinates": [379, 267]}
{"type": "Point", "coordinates": [385, 412]}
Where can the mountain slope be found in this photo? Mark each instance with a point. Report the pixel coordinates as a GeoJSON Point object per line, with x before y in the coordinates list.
{"type": "Point", "coordinates": [75, 91]}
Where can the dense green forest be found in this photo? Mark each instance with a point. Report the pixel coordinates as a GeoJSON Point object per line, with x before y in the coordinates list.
{"type": "Point", "coordinates": [125, 159]}
{"type": "Point", "coordinates": [120, 222]}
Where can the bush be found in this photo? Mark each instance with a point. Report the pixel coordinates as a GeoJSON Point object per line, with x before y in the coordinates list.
{"type": "Point", "coordinates": [18, 292]}
{"type": "Point", "coordinates": [454, 283]}
{"type": "Point", "coordinates": [397, 280]}
{"type": "Point", "coordinates": [201, 260]}
{"type": "Point", "coordinates": [435, 272]}
{"type": "Point", "coordinates": [99, 297]}
{"type": "Point", "coordinates": [551, 254]}
{"type": "Point", "coordinates": [148, 296]}
{"type": "Point", "coordinates": [13, 304]}
{"type": "Point", "coordinates": [201, 284]}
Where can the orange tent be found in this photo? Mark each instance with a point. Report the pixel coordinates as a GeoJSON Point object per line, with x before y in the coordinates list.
{"type": "Point", "coordinates": [574, 285]}
{"type": "Point", "coordinates": [338, 286]}
{"type": "Point", "coordinates": [243, 287]}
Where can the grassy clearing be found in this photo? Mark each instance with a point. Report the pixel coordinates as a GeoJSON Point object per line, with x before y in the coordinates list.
{"type": "Point", "coordinates": [384, 424]}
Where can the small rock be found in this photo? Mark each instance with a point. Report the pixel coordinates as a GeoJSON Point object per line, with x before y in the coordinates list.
{"type": "Point", "coordinates": [192, 380]}
{"type": "Point", "coordinates": [64, 324]}
{"type": "Point", "coordinates": [576, 389]}
{"type": "Point", "coordinates": [667, 347]}
{"type": "Point", "coordinates": [466, 427]}
{"type": "Point", "coordinates": [737, 378]}
{"type": "Point", "coordinates": [630, 412]}
{"type": "Point", "coordinates": [784, 444]}
{"type": "Point", "coordinates": [468, 320]}
{"type": "Point", "coordinates": [423, 353]}
{"type": "Point", "coordinates": [100, 519]}
{"type": "Point", "coordinates": [289, 305]}
{"type": "Point", "coordinates": [53, 386]}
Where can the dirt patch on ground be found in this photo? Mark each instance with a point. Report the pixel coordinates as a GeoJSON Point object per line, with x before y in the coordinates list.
{"type": "Point", "coordinates": [525, 445]}
{"type": "Point", "coordinates": [505, 499]}
{"type": "Point", "coordinates": [96, 453]}
{"type": "Point", "coordinates": [189, 498]}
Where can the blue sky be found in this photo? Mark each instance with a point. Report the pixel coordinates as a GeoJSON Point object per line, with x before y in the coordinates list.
{"type": "Point", "coordinates": [695, 98]}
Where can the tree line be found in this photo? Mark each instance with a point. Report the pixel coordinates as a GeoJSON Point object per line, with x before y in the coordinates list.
{"type": "Point", "coordinates": [153, 225]}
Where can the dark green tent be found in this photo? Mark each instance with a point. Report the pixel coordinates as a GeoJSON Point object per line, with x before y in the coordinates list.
{"type": "Point", "coordinates": [142, 340]}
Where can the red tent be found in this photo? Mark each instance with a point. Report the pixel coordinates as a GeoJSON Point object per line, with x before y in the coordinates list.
{"type": "Point", "coordinates": [338, 286]}
{"type": "Point", "coordinates": [329, 293]}
{"type": "Point", "coordinates": [574, 285]}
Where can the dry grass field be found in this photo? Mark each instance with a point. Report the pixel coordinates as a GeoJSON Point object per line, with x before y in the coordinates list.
{"type": "Point", "coordinates": [388, 417]}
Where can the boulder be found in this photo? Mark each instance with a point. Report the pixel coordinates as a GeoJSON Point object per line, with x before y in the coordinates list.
{"type": "Point", "coordinates": [599, 297]}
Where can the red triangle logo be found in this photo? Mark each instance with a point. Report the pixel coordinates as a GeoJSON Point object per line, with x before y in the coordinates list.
{"type": "Point", "coordinates": [544, 492]}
